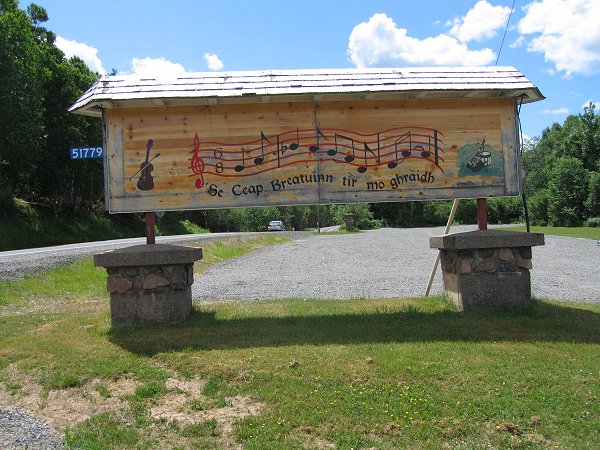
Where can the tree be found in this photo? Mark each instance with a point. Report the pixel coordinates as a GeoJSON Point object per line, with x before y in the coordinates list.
{"type": "Point", "coordinates": [21, 97]}
{"type": "Point", "coordinates": [567, 192]}
{"type": "Point", "coordinates": [37, 86]}
{"type": "Point", "coordinates": [69, 185]}
{"type": "Point", "coordinates": [592, 203]}
{"type": "Point", "coordinates": [363, 216]}
{"type": "Point", "coordinates": [557, 169]}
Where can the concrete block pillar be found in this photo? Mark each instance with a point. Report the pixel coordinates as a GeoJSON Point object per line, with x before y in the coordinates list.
{"type": "Point", "coordinates": [149, 283]}
{"type": "Point", "coordinates": [487, 269]}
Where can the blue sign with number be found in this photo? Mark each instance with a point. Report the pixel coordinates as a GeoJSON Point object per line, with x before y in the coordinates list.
{"type": "Point", "coordinates": [87, 152]}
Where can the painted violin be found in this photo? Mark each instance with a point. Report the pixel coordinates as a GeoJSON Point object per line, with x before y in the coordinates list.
{"type": "Point", "coordinates": [146, 181]}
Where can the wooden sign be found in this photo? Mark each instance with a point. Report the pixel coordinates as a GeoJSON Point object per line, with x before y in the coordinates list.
{"type": "Point", "coordinates": [257, 154]}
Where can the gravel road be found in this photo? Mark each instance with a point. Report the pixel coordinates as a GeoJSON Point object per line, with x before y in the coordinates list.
{"type": "Point", "coordinates": [384, 263]}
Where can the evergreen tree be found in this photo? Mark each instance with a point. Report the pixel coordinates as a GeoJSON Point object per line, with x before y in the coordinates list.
{"type": "Point", "coordinates": [37, 86]}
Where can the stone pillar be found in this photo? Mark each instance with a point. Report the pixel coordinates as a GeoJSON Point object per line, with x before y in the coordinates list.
{"type": "Point", "coordinates": [149, 283]}
{"type": "Point", "coordinates": [349, 221]}
{"type": "Point", "coordinates": [487, 269]}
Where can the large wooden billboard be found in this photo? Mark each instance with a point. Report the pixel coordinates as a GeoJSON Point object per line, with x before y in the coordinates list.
{"type": "Point", "coordinates": [221, 140]}
{"type": "Point", "coordinates": [196, 157]}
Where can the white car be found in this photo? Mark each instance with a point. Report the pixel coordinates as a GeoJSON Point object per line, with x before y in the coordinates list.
{"type": "Point", "coordinates": [276, 225]}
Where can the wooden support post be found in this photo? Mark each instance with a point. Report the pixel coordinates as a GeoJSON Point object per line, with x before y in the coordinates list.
{"type": "Point", "coordinates": [437, 259]}
{"type": "Point", "coordinates": [150, 239]}
{"type": "Point", "coordinates": [481, 214]}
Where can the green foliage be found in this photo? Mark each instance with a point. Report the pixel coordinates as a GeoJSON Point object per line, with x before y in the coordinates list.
{"type": "Point", "coordinates": [30, 227]}
{"type": "Point", "coordinates": [538, 207]}
{"type": "Point", "coordinates": [21, 96]}
{"type": "Point", "coordinates": [567, 192]}
{"type": "Point", "coordinates": [592, 203]}
{"type": "Point", "coordinates": [593, 222]}
{"type": "Point", "coordinates": [412, 214]}
{"type": "Point", "coordinates": [363, 216]}
{"type": "Point", "coordinates": [504, 210]}
{"type": "Point", "coordinates": [37, 86]}
{"type": "Point", "coordinates": [467, 211]}
{"type": "Point", "coordinates": [562, 171]}
{"type": "Point", "coordinates": [257, 219]}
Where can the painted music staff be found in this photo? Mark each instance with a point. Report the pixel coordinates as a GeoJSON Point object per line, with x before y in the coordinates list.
{"type": "Point", "coordinates": [271, 151]}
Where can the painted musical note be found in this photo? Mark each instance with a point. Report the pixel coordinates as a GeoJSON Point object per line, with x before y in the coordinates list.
{"type": "Point", "coordinates": [426, 153]}
{"type": "Point", "coordinates": [241, 167]}
{"type": "Point", "coordinates": [261, 158]}
{"type": "Point", "coordinates": [347, 158]}
{"type": "Point", "coordinates": [296, 145]}
{"type": "Point", "coordinates": [315, 148]}
{"type": "Point", "coordinates": [292, 146]}
{"type": "Point", "coordinates": [407, 153]}
{"type": "Point", "coordinates": [396, 161]}
{"type": "Point", "coordinates": [363, 168]}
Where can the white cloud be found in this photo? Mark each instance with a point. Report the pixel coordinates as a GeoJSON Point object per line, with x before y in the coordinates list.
{"type": "Point", "coordinates": [481, 22]}
{"type": "Point", "coordinates": [88, 54]}
{"type": "Point", "coordinates": [159, 68]}
{"type": "Point", "coordinates": [566, 32]}
{"type": "Point", "coordinates": [213, 61]}
{"type": "Point", "coordinates": [556, 111]}
{"type": "Point", "coordinates": [379, 42]}
{"type": "Point", "coordinates": [518, 42]}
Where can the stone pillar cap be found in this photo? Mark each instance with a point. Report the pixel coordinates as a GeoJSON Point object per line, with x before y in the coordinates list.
{"type": "Point", "coordinates": [486, 239]}
{"type": "Point", "coordinates": [148, 255]}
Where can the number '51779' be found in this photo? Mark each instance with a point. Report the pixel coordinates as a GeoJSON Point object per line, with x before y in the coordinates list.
{"type": "Point", "coordinates": [86, 152]}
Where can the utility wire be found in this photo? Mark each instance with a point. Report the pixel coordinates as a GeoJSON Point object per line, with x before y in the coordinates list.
{"type": "Point", "coordinates": [505, 30]}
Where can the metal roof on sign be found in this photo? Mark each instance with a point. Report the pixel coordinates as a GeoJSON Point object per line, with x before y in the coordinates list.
{"type": "Point", "coordinates": [305, 85]}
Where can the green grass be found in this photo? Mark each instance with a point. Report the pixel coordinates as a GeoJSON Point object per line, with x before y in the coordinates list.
{"type": "Point", "coordinates": [581, 232]}
{"type": "Point", "coordinates": [385, 374]}
{"type": "Point", "coordinates": [101, 432]}
{"type": "Point", "coordinates": [71, 283]}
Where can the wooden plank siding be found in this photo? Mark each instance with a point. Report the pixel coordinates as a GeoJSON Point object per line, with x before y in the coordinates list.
{"type": "Point", "coordinates": [358, 142]}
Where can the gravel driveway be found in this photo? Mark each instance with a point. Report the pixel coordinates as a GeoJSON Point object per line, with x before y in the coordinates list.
{"type": "Point", "coordinates": [384, 263]}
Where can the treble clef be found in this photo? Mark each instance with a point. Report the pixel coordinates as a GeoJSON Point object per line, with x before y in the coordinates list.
{"type": "Point", "coordinates": [197, 163]}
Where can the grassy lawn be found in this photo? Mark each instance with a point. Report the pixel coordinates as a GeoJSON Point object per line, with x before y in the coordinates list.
{"type": "Point", "coordinates": [385, 374]}
{"type": "Point", "coordinates": [582, 232]}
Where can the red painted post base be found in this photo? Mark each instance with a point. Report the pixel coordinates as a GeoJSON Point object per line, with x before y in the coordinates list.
{"type": "Point", "coordinates": [481, 214]}
{"type": "Point", "coordinates": [150, 236]}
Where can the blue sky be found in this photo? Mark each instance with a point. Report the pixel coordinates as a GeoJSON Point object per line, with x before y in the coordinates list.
{"type": "Point", "coordinates": [555, 43]}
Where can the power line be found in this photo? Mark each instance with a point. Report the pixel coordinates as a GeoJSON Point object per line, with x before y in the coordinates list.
{"type": "Point", "coordinates": [505, 30]}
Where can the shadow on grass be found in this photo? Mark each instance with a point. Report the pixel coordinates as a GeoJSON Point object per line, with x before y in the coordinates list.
{"type": "Point", "coordinates": [542, 322]}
